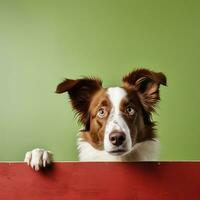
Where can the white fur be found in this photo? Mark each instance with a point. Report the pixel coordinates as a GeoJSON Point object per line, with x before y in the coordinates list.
{"type": "Point", "coordinates": [144, 151]}
{"type": "Point", "coordinates": [115, 120]}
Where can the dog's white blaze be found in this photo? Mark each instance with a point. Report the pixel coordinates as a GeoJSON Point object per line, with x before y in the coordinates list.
{"type": "Point", "coordinates": [115, 95]}
{"type": "Point", "coordinates": [115, 120]}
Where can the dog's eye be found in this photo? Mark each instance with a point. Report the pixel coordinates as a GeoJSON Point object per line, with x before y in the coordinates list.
{"type": "Point", "coordinates": [101, 112]}
{"type": "Point", "coordinates": [130, 110]}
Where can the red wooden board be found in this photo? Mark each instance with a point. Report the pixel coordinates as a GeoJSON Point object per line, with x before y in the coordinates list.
{"type": "Point", "coordinates": [101, 181]}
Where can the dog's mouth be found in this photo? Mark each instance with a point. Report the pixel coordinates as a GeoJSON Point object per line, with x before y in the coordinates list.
{"type": "Point", "coordinates": [118, 152]}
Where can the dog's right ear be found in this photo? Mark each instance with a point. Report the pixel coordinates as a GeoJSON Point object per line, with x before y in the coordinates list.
{"type": "Point", "coordinates": [146, 83]}
{"type": "Point", "coordinates": [80, 92]}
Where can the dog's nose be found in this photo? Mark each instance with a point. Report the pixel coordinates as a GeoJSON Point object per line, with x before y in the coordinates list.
{"type": "Point", "coordinates": [117, 138]}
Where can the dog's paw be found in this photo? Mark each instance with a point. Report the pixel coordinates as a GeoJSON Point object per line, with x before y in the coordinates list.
{"type": "Point", "coordinates": [38, 158]}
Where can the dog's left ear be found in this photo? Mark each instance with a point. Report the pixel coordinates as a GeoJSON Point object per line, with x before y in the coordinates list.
{"type": "Point", "coordinates": [80, 92]}
{"type": "Point", "coordinates": [146, 83]}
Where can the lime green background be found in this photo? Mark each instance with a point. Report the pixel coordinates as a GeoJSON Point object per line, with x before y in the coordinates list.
{"type": "Point", "coordinates": [42, 42]}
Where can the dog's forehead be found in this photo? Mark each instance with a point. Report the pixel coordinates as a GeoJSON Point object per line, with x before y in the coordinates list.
{"type": "Point", "coordinates": [116, 95]}
{"type": "Point", "coordinates": [112, 96]}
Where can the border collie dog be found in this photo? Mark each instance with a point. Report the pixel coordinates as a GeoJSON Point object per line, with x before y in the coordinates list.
{"type": "Point", "coordinates": [117, 120]}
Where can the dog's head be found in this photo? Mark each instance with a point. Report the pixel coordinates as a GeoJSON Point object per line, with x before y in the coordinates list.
{"type": "Point", "coordinates": [116, 118]}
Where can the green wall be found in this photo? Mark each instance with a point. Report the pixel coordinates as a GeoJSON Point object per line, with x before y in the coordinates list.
{"type": "Point", "coordinates": [42, 42]}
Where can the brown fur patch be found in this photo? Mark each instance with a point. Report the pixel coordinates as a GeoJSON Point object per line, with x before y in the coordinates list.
{"type": "Point", "coordinates": [80, 92]}
{"type": "Point", "coordinates": [95, 134]}
{"type": "Point", "coordinates": [140, 125]}
{"type": "Point", "coordinates": [143, 85]}
{"type": "Point", "coordinates": [147, 84]}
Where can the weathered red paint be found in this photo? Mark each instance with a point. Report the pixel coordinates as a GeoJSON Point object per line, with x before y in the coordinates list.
{"type": "Point", "coordinates": [101, 181]}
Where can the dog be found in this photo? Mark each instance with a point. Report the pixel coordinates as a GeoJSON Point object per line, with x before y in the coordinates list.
{"type": "Point", "coordinates": [117, 120]}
